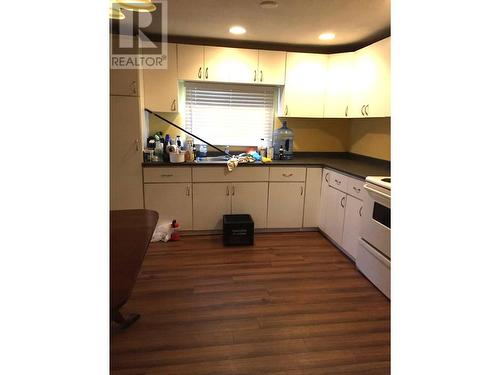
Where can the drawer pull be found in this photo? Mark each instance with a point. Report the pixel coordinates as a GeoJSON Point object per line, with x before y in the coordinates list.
{"type": "Point", "coordinates": [338, 182]}
{"type": "Point", "coordinates": [167, 175]}
{"type": "Point", "coordinates": [357, 190]}
{"type": "Point", "coordinates": [287, 174]}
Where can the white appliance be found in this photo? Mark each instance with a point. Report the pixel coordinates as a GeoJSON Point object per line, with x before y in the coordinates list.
{"type": "Point", "coordinates": [374, 252]}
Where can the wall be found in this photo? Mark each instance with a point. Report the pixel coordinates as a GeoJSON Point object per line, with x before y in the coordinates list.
{"type": "Point", "coordinates": [320, 135]}
{"type": "Point", "coordinates": [371, 137]}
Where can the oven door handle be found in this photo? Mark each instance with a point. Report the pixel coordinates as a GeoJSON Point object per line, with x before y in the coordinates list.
{"type": "Point", "coordinates": [376, 191]}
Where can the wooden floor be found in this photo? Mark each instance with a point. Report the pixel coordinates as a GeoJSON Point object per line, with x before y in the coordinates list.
{"type": "Point", "coordinates": [292, 304]}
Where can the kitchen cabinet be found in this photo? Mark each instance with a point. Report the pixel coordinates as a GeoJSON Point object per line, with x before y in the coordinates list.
{"type": "Point", "coordinates": [271, 69]}
{"type": "Point", "coordinates": [286, 204]}
{"type": "Point", "coordinates": [339, 85]}
{"type": "Point", "coordinates": [352, 225]}
{"type": "Point", "coordinates": [171, 201]}
{"type": "Point", "coordinates": [124, 82]}
{"type": "Point", "coordinates": [190, 66]}
{"type": "Point", "coordinates": [210, 202]}
{"type": "Point", "coordinates": [230, 65]}
{"type": "Point", "coordinates": [371, 80]}
{"type": "Point", "coordinates": [333, 203]}
{"type": "Point", "coordinates": [312, 198]}
{"type": "Point", "coordinates": [125, 153]}
{"type": "Point", "coordinates": [304, 91]}
{"type": "Point", "coordinates": [250, 198]}
{"type": "Point", "coordinates": [161, 92]}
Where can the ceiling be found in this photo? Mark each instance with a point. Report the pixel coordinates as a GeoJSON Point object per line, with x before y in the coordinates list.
{"type": "Point", "coordinates": [293, 25]}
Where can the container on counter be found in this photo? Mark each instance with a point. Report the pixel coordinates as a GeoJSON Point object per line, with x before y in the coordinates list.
{"type": "Point", "coordinates": [283, 138]}
{"type": "Point", "coordinates": [177, 157]}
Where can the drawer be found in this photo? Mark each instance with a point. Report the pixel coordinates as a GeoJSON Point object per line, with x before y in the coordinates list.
{"type": "Point", "coordinates": [166, 174]}
{"type": "Point", "coordinates": [336, 180]}
{"type": "Point", "coordinates": [221, 174]}
{"type": "Point", "coordinates": [355, 187]}
{"type": "Point", "coordinates": [287, 174]}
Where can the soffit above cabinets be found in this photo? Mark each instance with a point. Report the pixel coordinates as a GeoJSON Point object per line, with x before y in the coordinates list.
{"type": "Point", "coordinates": [294, 25]}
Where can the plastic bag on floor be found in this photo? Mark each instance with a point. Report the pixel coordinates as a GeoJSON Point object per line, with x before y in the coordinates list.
{"type": "Point", "coordinates": [162, 232]}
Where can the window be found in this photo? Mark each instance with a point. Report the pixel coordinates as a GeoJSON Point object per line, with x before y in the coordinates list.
{"type": "Point", "coordinates": [228, 114]}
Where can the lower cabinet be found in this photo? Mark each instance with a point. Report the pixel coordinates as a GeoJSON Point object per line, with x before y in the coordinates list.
{"type": "Point", "coordinates": [210, 202]}
{"type": "Point", "coordinates": [335, 210]}
{"type": "Point", "coordinates": [250, 198]}
{"type": "Point", "coordinates": [171, 201]}
{"type": "Point", "coordinates": [352, 225]}
{"type": "Point", "coordinates": [286, 204]}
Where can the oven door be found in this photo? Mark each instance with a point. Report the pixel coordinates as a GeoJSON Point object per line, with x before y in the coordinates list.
{"type": "Point", "coordinates": [376, 228]}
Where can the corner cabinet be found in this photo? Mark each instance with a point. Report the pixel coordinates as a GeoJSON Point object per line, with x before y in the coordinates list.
{"type": "Point", "coordinates": [372, 81]}
{"type": "Point", "coordinates": [339, 85]}
{"type": "Point", "coordinates": [161, 92]}
{"type": "Point", "coordinates": [304, 91]}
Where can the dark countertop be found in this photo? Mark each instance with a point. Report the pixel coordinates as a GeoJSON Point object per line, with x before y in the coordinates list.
{"type": "Point", "coordinates": [351, 164]}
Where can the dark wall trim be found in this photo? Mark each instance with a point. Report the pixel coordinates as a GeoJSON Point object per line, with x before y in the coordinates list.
{"type": "Point", "coordinates": [274, 46]}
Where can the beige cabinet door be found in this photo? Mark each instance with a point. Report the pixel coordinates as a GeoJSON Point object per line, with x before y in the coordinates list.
{"type": "Point", "coordinates": [251, 198]}
{"type": "Point", "coordinates": [124, 82]}
{"type": "Point", "coordinates": [286, 205]}
{"type": "Point", "coordinates": [210, 202]}
{"type": "Point", "coordinates": [339, 85]}
{"type": "Point", "coordinates": [125, 153]}
{"type": "Point", "coordinates": [172, 201]}
{"type": "Point", "coordinates": [371, 81]}
{"type": "Point", "coordinates": [190, 62]}
{"type": "Point", "coordinates": [235, 65]}
{"type": "Point", "coordinates": [160, 85]}
{"type": "Point", "coordinates": [312, 198]}
{"type": "Point", "coordinates": [324, 201]}
{"type": "Point", "coordinates": [304, 92]}
{"type": "Point", "coordinates": [379, 104]}
{"type": "Point", "coordinates": [335, 214]}
{"type": "Point", "coordinates": [352, 225]}
{"type": "Point", "coordinates": [271, 67]}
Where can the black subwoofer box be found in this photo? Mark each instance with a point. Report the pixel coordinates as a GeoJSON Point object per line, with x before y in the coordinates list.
{"type": "Point", "coordinates": [238, 230]}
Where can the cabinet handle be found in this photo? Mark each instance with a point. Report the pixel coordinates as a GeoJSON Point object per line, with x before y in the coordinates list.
{"type": "Point", "coordinates": [286, 110]}
{"type": "Point", "coordinates": [166, 175]}
{"type": "Point", "coordinates": [346, 110]}
{"type": "Point", "coordinates": [261, 75]}
{"type": "Point", "coordinates": [199, 73]}
{"type": "Point", "coordinates": [133, 87]}
{"type": "Point", "coordinates": [327, 176]}
{"type": "Point", "coordinates": [254, 75]}
{"type": "Point", "coordinates": [233, 190]}
{"type": "Point", "coordinates": [362, 110]}
{"type": "Point", "coordinates": [366, 109]}
{"type": "Point", "coordinates": [357, 190]}
{"type": "Point", "coordinates": [227, 190]}
{"type": "Point", "coordinates": [206, 73]}
{"type": "Point", "coordinates": [287, 175]}
{"type": "Point", "coordinates": [188, 193]}
{"type": "Point", "coordinates": [342, 202]}
{"type": "Point", "coordinates": [136, 145]}
{"type": "Point", "coordinates": [302, 190]}
{"type": "Point", "coordinates": [172, 107]}
{"type": "Point", "coordinates": [360, 210]}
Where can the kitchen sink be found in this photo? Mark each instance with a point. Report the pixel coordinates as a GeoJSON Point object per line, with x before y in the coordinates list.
{"type": "Point", "coordinates": [213, 159]}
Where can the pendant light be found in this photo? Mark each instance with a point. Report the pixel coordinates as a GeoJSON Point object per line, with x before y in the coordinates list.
{"type": "Point", "coordinates": [137, 5]}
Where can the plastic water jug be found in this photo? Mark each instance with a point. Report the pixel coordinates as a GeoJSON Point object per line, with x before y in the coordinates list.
{"type": "Point", "coordinates": [283, 138]}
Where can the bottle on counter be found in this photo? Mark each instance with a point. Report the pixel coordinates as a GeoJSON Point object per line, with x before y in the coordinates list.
{"type": "Point", "coordinates": [281, 153]}
{"type": "Point", "coordinates": [168, 140]}
{"type": "Point", "coordinates": [178, 141]}
{"type": "Point", "coordinates": [158, 152]}
{"type": "Point", "coordinates": [261, 149]}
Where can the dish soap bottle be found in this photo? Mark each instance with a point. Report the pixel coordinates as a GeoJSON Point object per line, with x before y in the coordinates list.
{"type": "Point", "coordinates": [283, 137]}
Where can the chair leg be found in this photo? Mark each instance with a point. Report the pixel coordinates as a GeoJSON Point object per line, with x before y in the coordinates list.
{"type": "Point", "coordinates": [123, 322]}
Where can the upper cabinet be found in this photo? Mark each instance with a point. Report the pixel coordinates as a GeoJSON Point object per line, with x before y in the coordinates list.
{"type": "Point", "coordinates": [304, 92]}
{"type": "Point", "coordinates": [160, 85]}
{"type": "Point", "coordinates": [372, 81]}
{"type": "Point", "coordinates": [339, 85]}
{"type": "Point", "coordinates": [124, 82]}
{"type": "Point", "coordinates": [230, 65]}
{"type": "Point", "coordinates": [190, 62]}
{"type": "Point", "coordinates": [271, 70]}
{"type": "Point", "coordinates": [235, 65]}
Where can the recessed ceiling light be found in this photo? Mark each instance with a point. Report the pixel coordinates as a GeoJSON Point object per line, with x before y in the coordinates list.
{"type": "Point", "coordinates": [237, 30]}
{"type": "Point", "coordinates": [327, 36]}
{"type": "Point", "coordinates": [268, 4]}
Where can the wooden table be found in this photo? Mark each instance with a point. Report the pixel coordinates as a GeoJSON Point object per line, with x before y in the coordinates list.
{"type": "Point", "coordinates": [130, 234]}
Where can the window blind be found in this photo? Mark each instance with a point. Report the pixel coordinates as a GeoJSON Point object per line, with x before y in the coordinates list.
{"type": "Point", "coordinates": [228, 114]}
